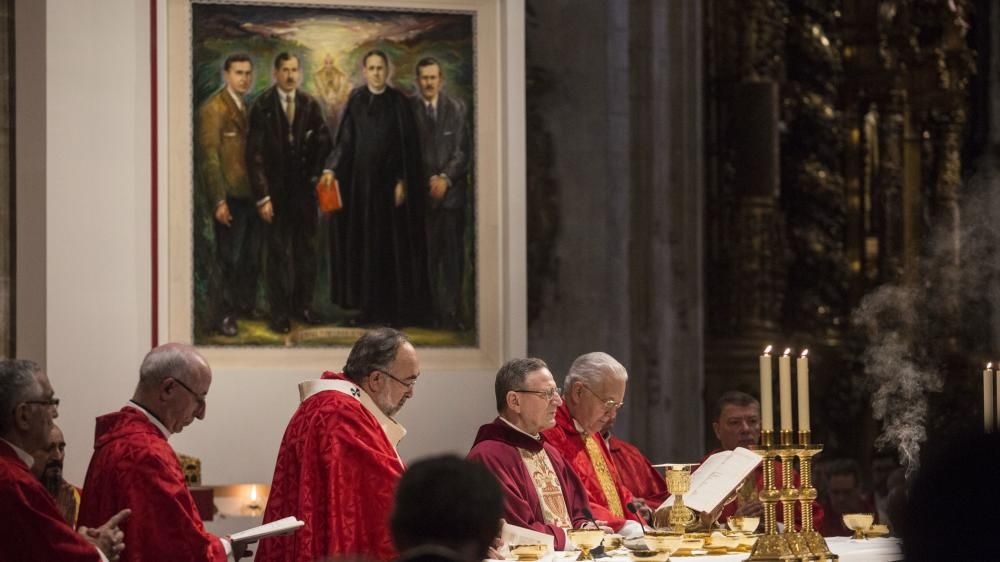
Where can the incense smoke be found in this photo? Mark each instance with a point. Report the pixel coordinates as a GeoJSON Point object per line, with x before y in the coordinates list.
{"type": "Point", "coordinates": [903, 322]}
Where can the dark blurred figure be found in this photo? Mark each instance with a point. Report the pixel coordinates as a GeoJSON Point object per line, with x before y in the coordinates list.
{"type": "Point", "coordinates": [447, 510]}
{"type": "Point", "coordinates": [883, 464]}
{"type": "Point", "coordinates": [952, 495]}
{"type": "Point", "coordinates": [843, 494]}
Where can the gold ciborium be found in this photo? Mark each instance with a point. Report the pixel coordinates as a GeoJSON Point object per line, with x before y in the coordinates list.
{"type": "Point", "coordinates": [528, 552]}
{"type": "Point", "coordinates": [859, 523]}
{"type": "Point", "coordinates": [586, 540]}
{"type": "Point", "coordinates": [663, 541]}
{"type": "Point", "coordinates": [743, 523]}
{"type": "Point", "coordinates": [678, 484]}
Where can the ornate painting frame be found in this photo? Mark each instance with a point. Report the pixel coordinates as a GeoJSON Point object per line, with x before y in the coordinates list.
{"type": "Point", "coordinates": [499, 200]}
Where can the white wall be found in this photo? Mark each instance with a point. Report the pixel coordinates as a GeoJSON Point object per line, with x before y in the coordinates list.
{"type": "Point", "coordinates": [97, 283]}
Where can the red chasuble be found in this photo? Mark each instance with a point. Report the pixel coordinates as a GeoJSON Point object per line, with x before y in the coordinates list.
{"type": "Point", "coordinates": [730, 509]}
{"type": "Point", "coordinates": [31, 528]}
{"type": "Point", "coordinates": [336, 471]}
{"type": "Point", "coordinates": [133, 466]}
{"type": "Point", "coordinates": [638, 473]}
{"type": "Point", "coordinates": [497, 447]}
{"type": "Point", "coordinates": [570, 444]}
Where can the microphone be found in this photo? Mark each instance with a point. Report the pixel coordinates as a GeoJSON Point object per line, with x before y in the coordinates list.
{"type": "Point", "coordinates": [590, 517]}
{"type": "Point", "coordinates": [635, 511]}
{"type": "Point", "coordinates": [597, 552]}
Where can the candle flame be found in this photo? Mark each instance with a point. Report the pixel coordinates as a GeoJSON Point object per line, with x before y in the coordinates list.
{"type": "Point", "coordinates": [767, 350]}
{"type": "Point", "coordinates": [253, 493]}
{"type": "Point", "coordinates": [788, 350]}
{"type": "Point", "coordinates": [988, 365]}
{"type": "Point", "coordinates": [805, 352]}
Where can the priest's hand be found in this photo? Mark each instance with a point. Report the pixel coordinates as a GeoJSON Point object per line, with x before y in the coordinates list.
{"type": "Point", "coordinates": [266, 212]}
{"type": "Point", "coordinates": [327, 178]}
{"type": "Point", "coordinates": [602, 525]}
{"type": "Point", "coordinates": [400, 193]}
{"type": "Point", "coordinates": [752, 508]}
{"type": "Point", "coordinates": [108, 537]}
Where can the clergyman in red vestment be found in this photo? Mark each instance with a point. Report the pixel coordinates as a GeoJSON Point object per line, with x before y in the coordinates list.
{"type": "Point", "coordinates": [48, 468]}
{"type": "Point", "coordinates": [593, 392]}
{"type": "Point", "coordinates": [31, 527]}
{"type": "Point", "coordinates": [737, 424]}
{"type": "Point", "coordinates": [134, 466]}
{"type": "Point", "coordinates": [638, 474]}
{"type": "Point", "coordinates": [337, 465]}
{"type": "Point", "coordinates": [542, 492]}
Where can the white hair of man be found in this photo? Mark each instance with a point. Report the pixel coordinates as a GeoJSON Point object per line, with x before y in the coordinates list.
{"type": "Point", "coordinates": [168, 360]}
{"type": "Point", "coordinates": [17, 383]}
{"type": "Point", "coordinates": [590, 368]}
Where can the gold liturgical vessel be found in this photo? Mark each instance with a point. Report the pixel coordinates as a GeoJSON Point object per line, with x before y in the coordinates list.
{"type": "Point", "coordinates": [678, 484]}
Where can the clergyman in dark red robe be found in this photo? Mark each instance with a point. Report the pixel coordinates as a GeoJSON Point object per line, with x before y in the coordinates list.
{"type": "Point", "coordinates": [135, 467]}
{"type": "Point", "coordinates": [498, 446]}
{"type": "Point", "coordinates": [31, 527]}
{"type": "Point", "coordinates": [337, 470]}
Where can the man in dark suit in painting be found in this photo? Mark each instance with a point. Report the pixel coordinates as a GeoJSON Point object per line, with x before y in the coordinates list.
{"type": "Point", "coordinates": [378, 239]}
{"type": "Point", "coordinates": [285, 149]}
{"type": "Point", "coordinates": [443, 128]}
{"type": "Point", "coordinates": [221, 152]}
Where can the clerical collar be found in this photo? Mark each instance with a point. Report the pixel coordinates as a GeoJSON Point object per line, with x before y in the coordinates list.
{"type": "Point", "coordinates": [579, 428]}
{"type": "Point", "coordinates": [536, 437]}
{"type": "Point", "coordinates": [236, 97]}
{"type": "Point", "coordinates": [152, 418]}
{"type": "Point", "coordinates": [376, 92]}
{"type": "Point", "coordinates": [21, 453]}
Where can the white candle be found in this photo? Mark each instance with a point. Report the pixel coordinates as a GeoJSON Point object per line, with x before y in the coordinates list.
{"type": "Point", "coordinates": [988, 398]}
{"type": "Point", "coordinates": [766, 403]}
{"type": "Point", "coordinates": [996, 405]}
{"type": "Point", "coordinates": [802, 374]}
{"type": "Point", "coordinates": [785, 389]}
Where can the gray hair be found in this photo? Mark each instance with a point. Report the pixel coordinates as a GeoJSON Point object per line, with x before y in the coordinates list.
{"type": "Point", "coordinates": [17, 380]}
{"type": "Point", "coordinates": [590, 368]}
{"type": "Point", "coordinates": [168, 360]}
{"type": "Point", "coordinates": [373, 351]}
{"type": "Point", "coordinates": [511, 377]}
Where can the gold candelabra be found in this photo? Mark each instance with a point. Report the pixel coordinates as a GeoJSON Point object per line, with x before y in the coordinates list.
{"type": "Point", "coordinates": [791, 544]}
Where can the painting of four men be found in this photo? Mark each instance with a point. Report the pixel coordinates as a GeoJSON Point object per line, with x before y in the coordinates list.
{"type": "Point", "coordinates": [400, 164]}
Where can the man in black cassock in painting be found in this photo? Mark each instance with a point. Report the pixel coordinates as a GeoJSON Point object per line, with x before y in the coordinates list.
{"type": "Point", "coordinates": [377, 238]}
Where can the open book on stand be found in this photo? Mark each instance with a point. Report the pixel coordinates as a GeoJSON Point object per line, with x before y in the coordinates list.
{"type": "Point", "coordinates": [274, 528]}
{"type": "Point", "coordinates": [716, 478]}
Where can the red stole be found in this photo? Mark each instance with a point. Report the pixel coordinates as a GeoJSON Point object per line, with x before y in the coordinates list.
{"type": "Point", "coordinates": [133, 466]}
{"type": "Point", "coordinates": [337, 472]}
{"type": "Point", "coordinates": [31, 527]}
{"type": "Point", "coordinates": [496, 447]}
{"type": "Point", "coordinates": [570, 444]}
{"type": "Point", "coordinates": [758, 474]}
{"type": "Point", "coordinates": [637, 472]}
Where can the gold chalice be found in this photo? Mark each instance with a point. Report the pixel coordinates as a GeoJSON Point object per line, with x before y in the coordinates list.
{"type": "Point", "coordinates": [859, 523]}
{"type": "Point", "coordinates": [586, 540]}
{"type": "Point", "coordinates": [743, 523]}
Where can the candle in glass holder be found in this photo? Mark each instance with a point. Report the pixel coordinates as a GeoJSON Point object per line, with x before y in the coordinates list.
{"type": "Point", "coordinates": [766, 402]}
{"type": "Point", "coordinates": [785, 389]}
{"type": "Point", "coordinates": [802, 374]}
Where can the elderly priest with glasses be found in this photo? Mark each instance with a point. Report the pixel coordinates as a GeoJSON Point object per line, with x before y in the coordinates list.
{"type": "Point", "coordinates": [593, 392]}
{"type": "Point", "coordinates": [542, 492]}
{"type": "Point", "coordinates": [31, 527]}
{"type": "Point", "coordinates": [337, 465]}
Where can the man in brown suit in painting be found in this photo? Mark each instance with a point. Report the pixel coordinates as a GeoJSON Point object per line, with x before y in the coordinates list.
{"type": "Point", "coordinates": [221, 146]}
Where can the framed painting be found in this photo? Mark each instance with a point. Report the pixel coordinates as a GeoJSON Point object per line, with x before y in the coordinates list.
{"type": "Point", "coordinates": [332, 166]}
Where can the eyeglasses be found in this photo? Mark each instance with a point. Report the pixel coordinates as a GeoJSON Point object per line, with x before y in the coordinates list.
{"type": "Point", "coordinates": [608, 404]}
{"type": "Point", "coordinates": [53, 402]}
{"type": "Point", "coordinates": [198, 397]}
{"type": "Point", "coordinates": [393, 377]}
{"type": "Point", "coordinates": [549, 394]}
